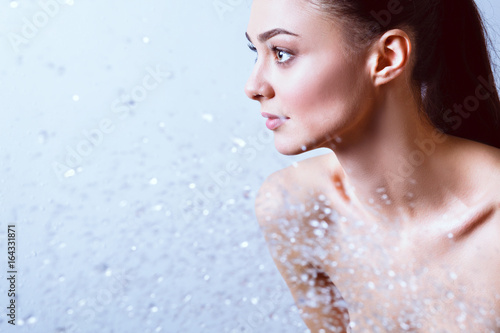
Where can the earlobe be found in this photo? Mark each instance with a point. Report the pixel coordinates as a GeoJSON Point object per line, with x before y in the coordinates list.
{"type": "Point", "coordinates": [391, 56]}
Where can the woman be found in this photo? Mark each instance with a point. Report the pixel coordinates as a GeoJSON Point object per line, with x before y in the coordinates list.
{"type": "Point", "coordinates": [399, 228]}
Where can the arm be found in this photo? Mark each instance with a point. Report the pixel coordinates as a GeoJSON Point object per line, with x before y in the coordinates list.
{"type": "Point", "coordinates": [321, 306]}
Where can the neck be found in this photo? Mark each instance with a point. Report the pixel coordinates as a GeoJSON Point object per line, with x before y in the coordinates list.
{"type": "Point", "coordinates": [397, 169]}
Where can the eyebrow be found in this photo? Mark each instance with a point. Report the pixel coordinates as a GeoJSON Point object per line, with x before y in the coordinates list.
{"type": "Point", "coordinates": [270, 34]}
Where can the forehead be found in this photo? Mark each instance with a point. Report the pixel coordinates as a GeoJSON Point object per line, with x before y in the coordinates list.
{"type": "Point", "coordinates": [297, 16]}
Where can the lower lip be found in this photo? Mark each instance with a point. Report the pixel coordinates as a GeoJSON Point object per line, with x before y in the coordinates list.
{"type": "Point", "coordinates": [274, 123]}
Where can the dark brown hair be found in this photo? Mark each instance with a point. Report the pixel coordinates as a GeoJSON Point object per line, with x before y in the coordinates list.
{"type": "Point", "coordinates": [452, 65]}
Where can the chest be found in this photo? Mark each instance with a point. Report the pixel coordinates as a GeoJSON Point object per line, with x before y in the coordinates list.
{"type": "Point", "coordinates": [393, 287]}
{"type": "Point", "coordinates": [400, 302]}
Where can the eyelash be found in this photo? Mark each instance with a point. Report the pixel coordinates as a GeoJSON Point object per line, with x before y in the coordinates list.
{"type": "Point", "coordinates": [275, 50]}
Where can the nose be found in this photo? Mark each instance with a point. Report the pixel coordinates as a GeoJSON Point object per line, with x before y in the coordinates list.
{"type": "Point", "coordinates": [257, 87]}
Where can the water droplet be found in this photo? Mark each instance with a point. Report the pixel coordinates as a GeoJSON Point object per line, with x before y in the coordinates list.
{"type": "Point", "coordinates": [404, 326]}
{"type": "Point", "coordinates": [206, 277]}
{"type": "Point", "coordinates": [153, 309]}
{"type": "Point", "coordinates": [462, 317]}
{"type": "Point", "coordinates": [240, 142]}
{"type": "Point", "coordinates": [208, 117]}
{"type": "Point", "coordinates": [42, 137]}
{"type": "Point", "coordinates": [14, 4]}
{"type": "Point", "coordinates": [314, 223]}
{"type": "Point", "coordinates": [244, 245]}
{"type": "Point", "coordinates": [31, 320]}
{"type": "Point", "coordinates": [108, 272]}
{"type": "Point", "coordinates": [450, 235]}
{"type": "Point", "coordinates": [304, 148]}
{"type": "Point", "coordinates": [76, 98]}
{"type": "Point", "coordinates": [453, 276]}
{"type": "Point", "coordinates": [70, 173]}
{"type": "Point", "coordinates": [145, 40]}
{"type": "Point", "coordinates": [319, 232]}
{"type": "Point", "coordinates": [254, 300]}
{"type": "Point", "coordinates": [187, 298]}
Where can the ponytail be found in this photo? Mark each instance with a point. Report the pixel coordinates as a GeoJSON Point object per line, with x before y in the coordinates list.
{"type": "Point", "coordinates": [453, 67]}
{"type": "Point", "coordinates": [461, 97]}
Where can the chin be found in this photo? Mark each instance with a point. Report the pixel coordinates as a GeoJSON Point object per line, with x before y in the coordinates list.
{"type": "Point", "coordinates": [289, 148]}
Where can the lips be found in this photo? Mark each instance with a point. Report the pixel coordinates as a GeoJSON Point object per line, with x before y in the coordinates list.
{"type": "Point", "coordinates": [273, 121]}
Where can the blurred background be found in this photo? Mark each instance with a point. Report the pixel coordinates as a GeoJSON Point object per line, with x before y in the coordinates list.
{"type": "Point", "coordinates": [129, 163]}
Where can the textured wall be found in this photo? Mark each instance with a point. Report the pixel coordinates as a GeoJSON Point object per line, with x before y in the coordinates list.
{"type": "Point", "coordinates": [129, 162]}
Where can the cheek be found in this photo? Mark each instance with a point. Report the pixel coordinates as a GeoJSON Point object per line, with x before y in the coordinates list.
{"type": "Point", "coordinates": [322, 90]}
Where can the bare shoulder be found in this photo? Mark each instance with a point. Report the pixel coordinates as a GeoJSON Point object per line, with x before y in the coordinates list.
{"type": "Point", "coordinates": [484, 163]}
{"type": "Point", "coordinates": [285, 191]}
{"type": "Point", "coordinates": [282, 210]}
{"type": "Point", "coordinates": [488, 167]}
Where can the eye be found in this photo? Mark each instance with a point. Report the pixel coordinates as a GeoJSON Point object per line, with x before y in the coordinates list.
{"type": "Point", "coordinates": [253, 48]}
{"type": "Point", "coordinates": [282, 55]}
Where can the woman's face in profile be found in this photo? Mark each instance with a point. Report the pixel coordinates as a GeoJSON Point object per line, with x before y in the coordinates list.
{"type": "Point", "coordinates": [303, 77]}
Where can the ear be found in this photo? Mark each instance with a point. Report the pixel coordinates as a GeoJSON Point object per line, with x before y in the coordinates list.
{"type": "Point", "coordinates": [390, 56]}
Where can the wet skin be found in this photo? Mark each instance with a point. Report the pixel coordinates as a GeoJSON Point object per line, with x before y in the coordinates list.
{"type": "Point", "coordinates": [364, 242]}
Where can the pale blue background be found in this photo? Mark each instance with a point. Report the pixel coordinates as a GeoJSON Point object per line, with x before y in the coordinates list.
{"type": "Point", "coordinates": [124, 241]}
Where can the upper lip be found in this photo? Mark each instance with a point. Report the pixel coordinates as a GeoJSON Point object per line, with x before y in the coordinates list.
{"type": "Point", "coordinates": [272, 116]}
